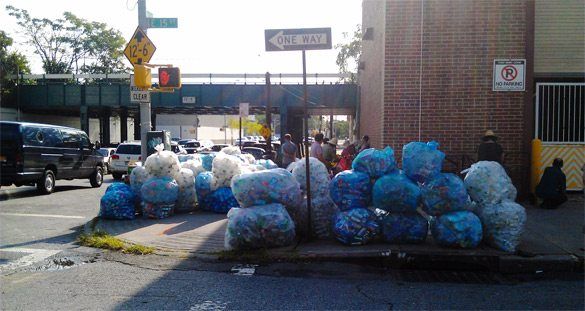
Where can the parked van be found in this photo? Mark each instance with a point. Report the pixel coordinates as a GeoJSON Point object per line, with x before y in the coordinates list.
{"type": "Point", "coordinates": [33, 153]}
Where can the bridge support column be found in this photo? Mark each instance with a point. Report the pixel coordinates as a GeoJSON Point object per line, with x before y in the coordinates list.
{"type": "Point", "coordinates": [105, 127]}
{"type": "Point", "coordinates": [84, 119]}
{"type": "Point", "coordinates": [124, 125]}
{"type": "Point", "coordinates": [137, 126]}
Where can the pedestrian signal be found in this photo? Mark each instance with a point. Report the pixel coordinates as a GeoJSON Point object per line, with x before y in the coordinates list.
{"type": "Point", "coordinates": [169, 77]}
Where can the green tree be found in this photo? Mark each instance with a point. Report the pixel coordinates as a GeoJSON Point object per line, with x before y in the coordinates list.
{"type": "Point", "coordinates": [348, 56]}
{"type": "Point", "coordinates": [72, 44]}
{"type": "Point", "coordinates": [11, 63]}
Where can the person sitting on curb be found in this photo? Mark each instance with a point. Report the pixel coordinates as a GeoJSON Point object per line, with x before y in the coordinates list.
{"type": "Point", "coordinates": [552, 186]}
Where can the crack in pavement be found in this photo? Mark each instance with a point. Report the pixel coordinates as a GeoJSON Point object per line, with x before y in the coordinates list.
{"type": "Point", "coordinates": [389, 305]}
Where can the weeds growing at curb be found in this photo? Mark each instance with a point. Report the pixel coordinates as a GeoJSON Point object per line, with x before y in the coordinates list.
{"type": "Point", "coordinates": [102, 239]}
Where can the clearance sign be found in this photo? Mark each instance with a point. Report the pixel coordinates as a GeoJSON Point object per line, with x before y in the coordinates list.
{"type": "Point", "coordinates": [509, 75]}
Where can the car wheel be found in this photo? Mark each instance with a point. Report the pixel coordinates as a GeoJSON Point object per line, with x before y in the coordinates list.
{"type": "Point", "coordinates": [97, 177]}
{"type": "Point", "coordinates": [117, 176]}
{"type": "Point", "coordinates": [46, 185]}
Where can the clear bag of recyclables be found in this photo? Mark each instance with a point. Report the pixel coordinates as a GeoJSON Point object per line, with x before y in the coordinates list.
{"type": "Point", "coordinates": [375, 163]}
{"type": "Point", "coordinates": [259, 227]}
{"type": "Point", "coordinates": [421, 161]}
{"type": "Point", "coordinates": [225, 167]}
{"type": "Point", "coordinates": [137, 177]}
{"type": "Point", "coordinates": [350, 189]}
{"type": "Point", "coordinates": [162, 163]}
{"type": "Point", "coordinates": [195, 166]}
{"type": "Point", "coordinates": [319, 176]}
{"type": "Point", "coordinates": [267, 186]}
{"type": "Point", "coordinates": [118, 202]}
{"type": "Point", "coordinates": [461, 229]}
{"type": "Point", "coordinates": [247, 158]}
{"type": "Point", "coordinates": [488, 183]}
{"type": "Point", "coordinates": [187, 195]}
{"type": "Point", "coordinates": [356, 226]}
{"type": "Point", "coordinates": [220, 201]}
{"type": "Point", "coordinates": [503, 225]}
{"type": "Point", "coordinates": [444, 193]}
{"type": "Point", "coordinates": [160, 190]}
{"type": "Point", "coordinates": [395, 193]}
{"type": "Point", "coordinates": [267, 164]}
{"type": "Point", "coordinates": [231, 150]}
{"type": "Point", "coordinates": [404, 228]}
{"type": "Point", "coordinates": [323, 210]}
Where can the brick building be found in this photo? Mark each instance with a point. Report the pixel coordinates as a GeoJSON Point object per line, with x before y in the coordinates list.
{"type": "Point", "coordinates": [426, 73]}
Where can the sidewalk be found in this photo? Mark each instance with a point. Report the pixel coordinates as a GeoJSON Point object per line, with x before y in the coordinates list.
{"type": "Point", "coordinates": [553, 241]}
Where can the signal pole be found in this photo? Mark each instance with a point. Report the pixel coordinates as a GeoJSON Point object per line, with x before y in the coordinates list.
{"type": "Point", "coordinates": [145, 121]}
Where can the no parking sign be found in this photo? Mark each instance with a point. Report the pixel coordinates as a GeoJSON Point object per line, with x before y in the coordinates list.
{"type": "Point", "coordinates": [509, 75]}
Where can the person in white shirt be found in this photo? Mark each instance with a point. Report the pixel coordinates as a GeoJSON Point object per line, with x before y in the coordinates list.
{"type": "Point", "coordinates": [316, 149]}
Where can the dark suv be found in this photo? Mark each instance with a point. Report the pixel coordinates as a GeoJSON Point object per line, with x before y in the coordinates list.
{"type": "Point", "coordinates": [33, 153]}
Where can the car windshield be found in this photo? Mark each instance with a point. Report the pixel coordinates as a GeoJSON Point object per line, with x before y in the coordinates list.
{"type": "Point", "coordinates": [103, 152]}
{"type": "Point", "coordinates": [128, 149]}
{"type": "Point", "coordinates": [192, 145]}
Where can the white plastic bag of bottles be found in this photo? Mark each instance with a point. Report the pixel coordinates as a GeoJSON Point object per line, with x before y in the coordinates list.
{"type": "Point", "coordinates": [225, 167]}
{"type": "Point", "coordinates": [319, 176]}
{"type": "Point", "coordinates": [488, 183]}
{"type": "Point", "coordinates": [162, 163]}
{"type": "Point", "coordinates": [187, 198]}
{"type": "Point", "coordinates": [503, 225]}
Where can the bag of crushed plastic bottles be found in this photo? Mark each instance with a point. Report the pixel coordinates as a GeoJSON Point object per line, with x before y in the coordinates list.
{"type": "Point", "coordinates": [118, 202]}
{"type": "Point", "coordinates": [137, 177]}
{"type": "Point", "coordinates": [404, 228]}
{"type": "Point", "coordinates": [195, 166]}
{"type": "Point", "coordinates": [444, 193]}
{"type": "Point", "coordinates": [187, 195]}
{"type": "Point", "coordinates": [259, 227]}
{"type": "Point", "coordinates": [207, 160]}
{"type": "Point", "coordinates": [231, 150]}
{"type": "Point", "coordinates": [267, 164]}
{"type": "Point", "coordinates": [350, 189]}
{"type": "Point", "coordinates": [188, 157]}
{"type": "Point", "coordinates": [323, 210]}
{"type": "Point", "coordinates": [503, 224]}
{"type": "Point", "coordinates": [319, 176]}
{"type": "Point", "coordinates": [421, 161]}
{"type": "Point", "coordinates": [375, 162]}
{"type": "Point", "coordinates": [395, 193]}
{"type": "Point", "coordinates": [204, 184]}
{"type": "Point", "coordinates": [159, 195]}
{"type": "Point", "coordinates": [461, 229]}
{"type": "Point", "coordinates": [357, 226]}
{"type": "Point", "coordinates": [225, 167]}
{"type": "Point", "coordinates": [219, 201]}
{"type": "Point", "coordinates": [488, 183]}
{"type": "Point", "coordinates": [162, 163]}
{"type": "Point", "coordinates": [247, 158]}
{"type": "Point", "coordinates": [267, 186]}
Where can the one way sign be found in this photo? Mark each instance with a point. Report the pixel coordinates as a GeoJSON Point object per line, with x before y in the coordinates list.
{"type": "Point", "coordinates": [297, 39]}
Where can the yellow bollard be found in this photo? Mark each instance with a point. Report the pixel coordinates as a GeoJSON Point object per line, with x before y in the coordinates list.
{"type": "Point", "coordinates": [535, 164]}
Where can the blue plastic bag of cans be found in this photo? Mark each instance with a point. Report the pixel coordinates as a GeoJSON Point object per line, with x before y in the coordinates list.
{"type": "Point", "coordinates": [460, 229]}
{"type": "Point", "coordinates": [323, 210]}
{"type": "Point", "coordinates": [268, 186]}
{"type": "Point", "coordinates": [258, 227]}
{"type": "Point", "coordinates": [207, 161]}
{"type": "Point", "coordinates": [375, 162]}
{"type": "Point", "coordinates": [357, 226]}
{"type": "Point", "coordinates": [395, 193]}
{"type": "Point", "coordinates": [404, 228]}
{"type": "Point", "coordinates": [204, 185]}
{"type": "Point", "coordinates": [488, 183]}
{"type": "Point", "coordinates": [137, 178]}
{"type": "Point", "coordinates": [444, 193]}
{"type": "Point", "coordinates": [159, 195]}
{"type": "Point", "coordinates": [221, 200]}
{"type": "Point", "coordinates": [118, 202]}
{"type": "Point", "coordinates": [503, 225]}
{"type": "Point", "coordinates": [267, 164]}
{"type": "Point", "coordinates": [319, 176]}
{"type": "Point", "coordinates": [421, 161]}
{"type": "Point", "coordinates": [350, 189]}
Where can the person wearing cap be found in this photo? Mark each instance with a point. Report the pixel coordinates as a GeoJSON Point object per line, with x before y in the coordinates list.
{"type": "Point", "coordinates": [552, 188]}
{"type": "Point", "coordinates": [489, 149]}
{"type": "Point", "coordinates": [329, 149]}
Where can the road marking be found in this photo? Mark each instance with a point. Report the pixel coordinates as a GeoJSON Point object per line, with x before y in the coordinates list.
{"type": "Point", "coordinates": [35, 255]}
{"type": "Point", "coordinates": [42, 215]}
{"type": "Point", "coordinates": [244, 270]}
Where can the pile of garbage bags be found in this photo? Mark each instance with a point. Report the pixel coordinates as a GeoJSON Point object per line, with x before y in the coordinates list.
{"type": "Point", "coordinates": [422, 161]}
{"type": "Point", "coordinates": [159, 195]}
{"type": "Point", "coordinates": [260, 226]}
{"type": "Point", "coordinates": [319, 177]}
{"type": "Point", "coordinates": [375, 163]}
{"type": "Point", "coordinates": [493, 193]}
{"type": "Point", "coordinates": [118, 202]}
{"type": "Point", "coordinates": [187, 198]}
{"type": "Point", "coordinates": [351, 189]}
{"type": "Point", "coordinates": [356, 226]}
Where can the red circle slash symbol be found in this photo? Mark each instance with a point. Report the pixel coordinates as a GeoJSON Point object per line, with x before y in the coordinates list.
{"type": "Point", "coordinates": [509, 73]}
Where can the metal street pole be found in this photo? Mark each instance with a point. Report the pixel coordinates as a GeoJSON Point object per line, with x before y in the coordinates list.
{"type": "Point", "coordinates": [145, 122]}
{"type": "Point", "coordinates": [240, 132]}
{"type": "Point", "coordinates": [268, 115]}
{"type": "Point", "coordinates": [306, 125]}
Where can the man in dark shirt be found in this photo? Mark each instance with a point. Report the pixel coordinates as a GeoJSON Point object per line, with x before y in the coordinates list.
{"type": "Point", "coordinates": [553, 185]}
{"type": "Point", "coordinates": [489, 149]}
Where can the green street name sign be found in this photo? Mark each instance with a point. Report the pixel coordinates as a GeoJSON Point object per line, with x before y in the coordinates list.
{"type": "Point", "coordinates": [171, 22]}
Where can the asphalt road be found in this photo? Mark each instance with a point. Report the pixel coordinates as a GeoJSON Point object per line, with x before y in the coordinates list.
{"type": "Point", "coordinates": [41, 268]}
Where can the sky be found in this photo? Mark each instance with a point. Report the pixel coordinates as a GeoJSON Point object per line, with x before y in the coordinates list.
{"type": "Point", "coordinates": [214, 36]}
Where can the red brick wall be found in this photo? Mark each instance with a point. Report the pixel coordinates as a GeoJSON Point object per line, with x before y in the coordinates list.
{"type": "Point", "coordinates": [461, 38]}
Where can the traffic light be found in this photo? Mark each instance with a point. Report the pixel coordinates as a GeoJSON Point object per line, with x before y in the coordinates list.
{"type": "Point", "coordinates": [142, 77]}
{"type": "Point", "coordinates": [169, 77]}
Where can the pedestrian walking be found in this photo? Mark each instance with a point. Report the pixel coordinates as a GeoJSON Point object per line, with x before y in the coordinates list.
{"type": "Point", "coordinates": [316, 149]}
{"type": "Point", "coordinates": [289, 151]}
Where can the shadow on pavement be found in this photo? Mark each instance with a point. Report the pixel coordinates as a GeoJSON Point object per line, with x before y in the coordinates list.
{"type": "Point", "coordinates": [28, 192]}
{"type": "Point", "coordinates": [61, 239]}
